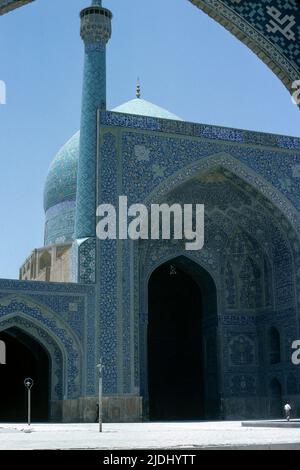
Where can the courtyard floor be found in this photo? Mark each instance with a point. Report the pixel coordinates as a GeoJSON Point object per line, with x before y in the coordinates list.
{"type": "Point", "coordinates": [176, 436]}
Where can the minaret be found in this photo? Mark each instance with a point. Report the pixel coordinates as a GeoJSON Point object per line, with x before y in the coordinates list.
{"type": "Point", "coordinates": [95, 32]}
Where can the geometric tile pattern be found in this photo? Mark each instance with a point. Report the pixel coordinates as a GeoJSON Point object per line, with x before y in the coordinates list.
{"type": "Point", "coordinates": [59, 223]}
{"type": "Point", "coordinates": [271, 28]}
{"type": "Point", "coordinates": [110, 340]}
{"type": "Point", "coordinates": [251, 220]}
{"type": "Point", "coordinates": [61, 181]}
{"type": "Point", "coordinates": [93, 97]}
{"type": "Point", "coordinates": [15, 306]}
{"type": "Point", "coordinates": [252, 253]}
{"type": "Point", "coordinates": [60, 194]}
{"type": "Point", "coordinates": [95, 32]}
{"type": "Point", "coordinates": [85, 261]}
{"type": "Point", "coordinates": [45, 311]}
{"type": "Point", "coordinates": [249, 183]}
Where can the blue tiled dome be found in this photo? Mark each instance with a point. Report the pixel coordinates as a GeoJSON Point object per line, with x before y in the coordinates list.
{"type": "Point", "coordinates": [145, 108]}
{"type": "Point", "coordinates": [61, 182]}
{"type": "Point", "coordinates": [60, 194]}
{"type": "Point", "coordinates": [62, 175]}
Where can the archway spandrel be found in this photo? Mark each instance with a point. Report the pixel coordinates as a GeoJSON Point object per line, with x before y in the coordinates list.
{"type": "Point", "coordinates": [269, 28]}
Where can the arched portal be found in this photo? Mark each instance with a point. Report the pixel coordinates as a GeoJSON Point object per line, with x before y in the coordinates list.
{"type": "Point", "coordinates": [251, 250]}
{"type": "Point", "coordinates": [25, 357]}
{"type": "Point", "coordinates": [182, 381]}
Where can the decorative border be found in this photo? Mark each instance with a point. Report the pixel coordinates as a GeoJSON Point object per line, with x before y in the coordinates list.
{"type": "Point", "coordinates": [271, 54]}
{"type": "Point", "coordinates": [189, 129]}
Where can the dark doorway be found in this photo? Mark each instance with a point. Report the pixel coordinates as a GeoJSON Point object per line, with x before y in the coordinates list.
{"type": "Point", "coordinates": [274, 346]}
{"type": "Point", "coordinates": [276, 405]}
{"type": "Point", "coordinates": [25, 357]}
{"type": "Point", "coordinates": [175, 353]}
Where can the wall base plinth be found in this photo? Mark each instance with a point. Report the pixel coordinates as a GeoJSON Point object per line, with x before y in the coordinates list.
{"type": "Point", "coordinates": [116, 409]}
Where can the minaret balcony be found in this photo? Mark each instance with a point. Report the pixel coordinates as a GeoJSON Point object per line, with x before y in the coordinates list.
{"type": "Point", "coordinates": [95, 24]}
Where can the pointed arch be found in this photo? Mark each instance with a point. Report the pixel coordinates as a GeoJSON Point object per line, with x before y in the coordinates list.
{"type": "Point", "coordinates": [47, 328]}
{"type": "Point", "coordinates": [199, 276]}
{"type": "Point", "coordinates": [36, 333]}
{"type": "Point", "coordinates": [227, 162]}
{"type": "Point", "coordinates": [256, 28]}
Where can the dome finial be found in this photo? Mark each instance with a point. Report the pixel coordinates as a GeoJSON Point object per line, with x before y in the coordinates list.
{"type": "Point", "coordinates": [138, 89]}
{"type": "Point", "coordinates": [96, 3]}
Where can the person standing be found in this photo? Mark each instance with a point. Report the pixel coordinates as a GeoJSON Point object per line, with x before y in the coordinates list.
{"type": "Point", "coordinates": [287, 410]}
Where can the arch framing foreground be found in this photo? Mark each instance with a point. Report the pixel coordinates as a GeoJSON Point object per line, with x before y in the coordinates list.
{"type": "Point", "coordinates": [262, 31]}
{"type": "Point", "coordinates": [267, 29]}
{"type": "Point", "coordinates": [9, 5]}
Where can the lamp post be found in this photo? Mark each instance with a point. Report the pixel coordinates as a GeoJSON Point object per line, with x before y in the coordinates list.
{"type": "Point", "coordinates": [29, 384]}
{"type": "Point", "coordinates": [100, 367]}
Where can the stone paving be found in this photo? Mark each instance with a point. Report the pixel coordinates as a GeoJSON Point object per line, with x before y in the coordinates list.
{"type": "Point", "coordinates": [177, 436]}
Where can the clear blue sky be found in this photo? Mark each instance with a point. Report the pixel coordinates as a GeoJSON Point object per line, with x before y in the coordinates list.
{"type": "Point", "coordinates": [187, 63]}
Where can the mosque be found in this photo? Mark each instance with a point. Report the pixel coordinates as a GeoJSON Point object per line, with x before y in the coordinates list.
{"type": "Point", "coordinates": [182, 335]}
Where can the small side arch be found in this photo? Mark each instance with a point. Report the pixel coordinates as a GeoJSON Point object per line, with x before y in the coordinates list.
{"type": "Point", "coordinates": [43, 324]}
